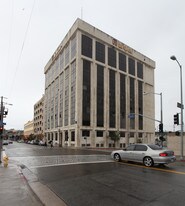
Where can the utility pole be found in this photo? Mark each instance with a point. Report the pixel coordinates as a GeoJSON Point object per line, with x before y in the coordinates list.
{"type": "Point", "coordinates": [2, 113]}
{"type": "Point", "coordinates": [1, 129]}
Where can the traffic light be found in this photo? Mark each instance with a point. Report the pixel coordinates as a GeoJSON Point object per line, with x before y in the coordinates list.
{"type": "Point", "coordinates": [161, 127]}
{"type": "Point", "coordinates": [176, 118]}
{"type": "Point", "coordinates": [1, 129]}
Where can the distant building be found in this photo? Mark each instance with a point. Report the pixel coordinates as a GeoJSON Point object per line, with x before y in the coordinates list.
{"type": "Point", "coordinates": [28, 129]}
{"type": "Point", "coordinates": [94, 87]}
{"type": "Point", "coordinates": [39, 118]}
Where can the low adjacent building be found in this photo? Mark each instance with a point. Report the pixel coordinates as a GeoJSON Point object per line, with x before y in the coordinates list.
{"type": "Point", "coordinates": [39, 118]}
{"type": "Point", "coordinates": [28, 129]}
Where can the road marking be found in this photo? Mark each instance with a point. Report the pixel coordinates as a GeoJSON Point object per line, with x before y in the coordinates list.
{"type": "Point", "coordinates": [153, 168]}
{"type": "Point", "coordinates": [72, 163]}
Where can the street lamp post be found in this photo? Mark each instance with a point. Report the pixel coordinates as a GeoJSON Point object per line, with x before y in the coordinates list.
{"type": "Point", "coordinates": [161, 103]}
{"type": "Point", "coordinates": [182, 106]}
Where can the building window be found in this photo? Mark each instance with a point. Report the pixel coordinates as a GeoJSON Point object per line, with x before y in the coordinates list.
{"type": "Point", "coordinates": [66, 105]}
{"type": "Point", "coordinates": [56, 137]}
{"type": "Point", "coordinates": [61, 61]}
{"type": "Point", "coordinates": [122, 134]}
{"type": "Point", "coordinates": [122, 145]}
{"type": "Point", "coordinates": [100, 96]}
{"type": "Point", "coordinates": [85, 133]}
{"type": "Point", "coordinates": [131, 66]}
{"type": "Point", "coordinates": [73, 91]}
{"type": "Point", "coordinates": [100, 52]}
{"type": "Point", "coordinates": [67, 55]}
{"type": "Point", "coordinates": [86, 46]}
{"type": "Point", "coordinates": [122, 101]}
{"type": "Point", "coordinates": [140, 104]}
{"type": "Point", "coordinates": [73, 136]}
{"type": "Point", "coordinates": [99, 133]}
{"type": "Point", "coordinates": [73, 47]}
{"type": "Point", "coordinates": [111, 57]}
{"type": "Point", "coordinates": [86, 104]}
{"type": "Point", "coordinates": [132, 102]}
{"type": "Point", "coordinates": [61, 100]}
{"type": "Point", "coordinates": [139, 70]}
{"type": "Point", "coordinates": [122, 62]}
{"type": "Point", "coordinates": [112, 99]}
{"type": "Point", "coordinates": [140, 135]}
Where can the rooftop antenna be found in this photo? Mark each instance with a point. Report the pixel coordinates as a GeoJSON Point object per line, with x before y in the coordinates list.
{"type": "Point", "coordinates": [82, 13]}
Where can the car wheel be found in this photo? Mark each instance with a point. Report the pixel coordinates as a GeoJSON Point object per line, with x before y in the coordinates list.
{"type": "Point", "coordinates": [148, 162]}
{"type": "Point", "coordinates": [117, 157]}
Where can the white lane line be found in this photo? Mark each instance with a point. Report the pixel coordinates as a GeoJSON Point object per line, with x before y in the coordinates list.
{"type": "Point", "coordinates": [73, 163]}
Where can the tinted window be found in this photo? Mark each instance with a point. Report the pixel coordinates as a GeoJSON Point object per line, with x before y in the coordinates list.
{"type": "Point", "coordinates": [100, 96]}
{"type": "Point", "coordinates": [130, 148]}
{"type": "Point", "coordinates": [155, 147]}
{"type": "Point", "coordinates": [122, 62]}
{"type": "Point", "coordinates": [140, 148]}
{"type": "Point", "coordinates": [86, 46]}
{"type": "Point", "coordinates": [132, 102]}
{"type": "Point", "coordinates": [139, 70]}
{"type": "Point", "coordinates": [131, 66]}
{"type": "Point", "coordinates": [111, 57]}
{"type": "Point", "coordinates": [122, 101]}
{"type": "Point", "coordinates": [100, 52]}
{"type": "Point", "coordinates": [140, 104]}
{"type": "Point", "coordinates": [99, 133]}
{"type": "Point", "coordinates": [112, 99]}
{"type": "Point", "coordinates": [86, 104]}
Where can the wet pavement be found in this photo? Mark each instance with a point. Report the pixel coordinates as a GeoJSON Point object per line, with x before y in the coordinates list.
{"type": "Point", "coordinates": [14, 189]}
{"type": "Point", "coordinates": [62, 176]}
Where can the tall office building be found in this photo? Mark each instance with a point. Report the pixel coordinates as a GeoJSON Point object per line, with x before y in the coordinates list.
{"type": "Point", "coordinates": [94, 87]}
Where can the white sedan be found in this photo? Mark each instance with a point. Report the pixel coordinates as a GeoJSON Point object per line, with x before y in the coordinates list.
{"type": "Point", "coordinates": [148, 154]}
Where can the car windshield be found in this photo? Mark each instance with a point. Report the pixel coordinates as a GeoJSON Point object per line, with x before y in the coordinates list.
{"type": "Point", "coordinates": [155, 147]}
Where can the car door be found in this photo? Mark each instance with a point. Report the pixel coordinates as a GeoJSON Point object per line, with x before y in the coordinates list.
{"type": "Point", "coordinates": [127, 154]}
{"type": "Point", "coordinates": [139, 152]}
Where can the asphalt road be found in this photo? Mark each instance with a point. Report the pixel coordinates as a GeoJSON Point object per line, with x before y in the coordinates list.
{"type": "Point", "coordinates": [114, 184]}
{"type": "Point", "coordinates": [110, 183]}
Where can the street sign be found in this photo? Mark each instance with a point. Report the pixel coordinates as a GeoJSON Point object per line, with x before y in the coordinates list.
{"type": "Point", "coordinates": [179, 105]}
{"type": "Point", "coordinates": [2, 123]}
{"type": "Point", "coordinates": [131, 116]}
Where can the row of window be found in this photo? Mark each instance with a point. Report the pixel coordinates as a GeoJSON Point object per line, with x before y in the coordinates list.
{"type": "Point", "coordinates": [121, 63]}
{"type": "Point", "coordinates": [86, 102]}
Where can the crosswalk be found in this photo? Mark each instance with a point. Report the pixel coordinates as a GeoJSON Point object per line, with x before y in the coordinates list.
{"type": "Point", "coordinates": [48, 161]}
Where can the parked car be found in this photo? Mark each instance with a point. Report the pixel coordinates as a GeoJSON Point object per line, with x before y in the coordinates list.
{"type": "Point", "coordinates": [5, 142]}
{"type": "Point", "coordinates": [148, 154]}
{"type": "Point", "coordinates": [10, 142]}
{"type": "Point", "coordinates": [41, 143]}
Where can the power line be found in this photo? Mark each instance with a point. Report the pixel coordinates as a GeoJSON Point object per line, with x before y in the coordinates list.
{"type": "Point", "coordinates": [20, 55]}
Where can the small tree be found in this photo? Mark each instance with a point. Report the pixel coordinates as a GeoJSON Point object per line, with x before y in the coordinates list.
{"type": "Point", "coordinates": [115, 136]}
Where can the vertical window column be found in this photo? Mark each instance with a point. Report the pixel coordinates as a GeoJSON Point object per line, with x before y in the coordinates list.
{"type": "Point", "coordinates": [140, 104]}
{"type": "Point", "coordinates": [122, 101]}
{"type": "Point", "coordinates": [112, 99]}
{"type": "Point", "coordinates": [86, 102]}
{"type": "Point", "coordinates": [100, 96]}
{"type": "Point", "coordinates": [132, 102]}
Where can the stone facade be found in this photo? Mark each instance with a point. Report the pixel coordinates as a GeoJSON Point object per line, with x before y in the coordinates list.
{"type": "Point", "coordinates": [174, 143]}
{"type": "Point", "coordinates": [28, 129]}
{"type": "Point", "coordinates": [39, 118]}
{"type": "Point", "coordinates": [94, 87]}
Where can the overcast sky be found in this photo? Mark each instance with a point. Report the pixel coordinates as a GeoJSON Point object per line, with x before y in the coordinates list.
{"type": "Point", "coordinates": [31, 31]}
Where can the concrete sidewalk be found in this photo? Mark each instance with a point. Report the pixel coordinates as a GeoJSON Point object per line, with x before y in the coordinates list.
{"type": "Point", "coordinates": [20, 187]}
{"type": "Point", "coordinates": [14, 190]}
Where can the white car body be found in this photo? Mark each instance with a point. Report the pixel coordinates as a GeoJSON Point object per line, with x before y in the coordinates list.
{"type": "Point", "coordinates": [147, 154]}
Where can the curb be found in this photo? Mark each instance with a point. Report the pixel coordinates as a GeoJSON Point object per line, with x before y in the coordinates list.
{"type": "Point", "coordinates": [44, 194]}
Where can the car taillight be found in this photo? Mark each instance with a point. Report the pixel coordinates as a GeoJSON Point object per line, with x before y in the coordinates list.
{"type": "Point", "coordinates": [163, 154]}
